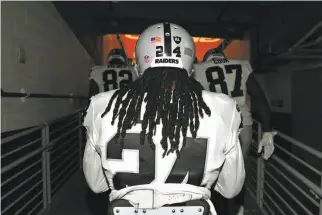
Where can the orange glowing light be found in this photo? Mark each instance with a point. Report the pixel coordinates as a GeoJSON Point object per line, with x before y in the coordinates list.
{"type": "Point", "coordinates": [203, 44]}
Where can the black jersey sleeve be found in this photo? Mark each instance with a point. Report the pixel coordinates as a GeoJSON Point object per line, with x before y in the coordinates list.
{"type": "Point", "coordinates": [260, 102]}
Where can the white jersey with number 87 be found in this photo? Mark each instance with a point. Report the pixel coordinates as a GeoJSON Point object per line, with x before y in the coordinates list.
{"type": "Point", "coordinates": [226, 76]}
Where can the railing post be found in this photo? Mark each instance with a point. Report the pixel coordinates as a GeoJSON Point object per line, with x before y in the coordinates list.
{"type": "Point", "coordinates": [46, 169]}
{"type": "Point", "coordinates": [260, 171]}
{"type": "Point", "coordinates": [80, 140]}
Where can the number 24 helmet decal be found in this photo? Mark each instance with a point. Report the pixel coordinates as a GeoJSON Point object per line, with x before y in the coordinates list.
{"type": "Point", "coordinates": [164, 45]}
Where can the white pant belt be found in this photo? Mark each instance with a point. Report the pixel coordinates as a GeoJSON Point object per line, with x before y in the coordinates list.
{"type": "Point", "coordinates": [147, 196]}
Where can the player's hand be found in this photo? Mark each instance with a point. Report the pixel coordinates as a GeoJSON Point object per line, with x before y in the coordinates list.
{"type": "Point", "coordinates": [267, 142]}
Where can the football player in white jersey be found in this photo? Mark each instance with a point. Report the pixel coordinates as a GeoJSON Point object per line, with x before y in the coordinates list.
{"type": "Point", "coordinates": [234, 77]}
{"type": "Point", "coordinates": [115, 74]}
{"type": "Point", "coordinates": [163, 140]}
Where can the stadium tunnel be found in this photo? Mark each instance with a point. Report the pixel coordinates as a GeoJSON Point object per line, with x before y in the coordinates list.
{"type": "Point", "coordinates": [48, 48]}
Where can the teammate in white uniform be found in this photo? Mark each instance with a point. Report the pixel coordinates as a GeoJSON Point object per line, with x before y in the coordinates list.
{"type": "Point", "coordinates": [234, 77]}
{"type": "Point", "coordinates": [162, 115]}
{"type": "Point", "coordinates": [115, 74]}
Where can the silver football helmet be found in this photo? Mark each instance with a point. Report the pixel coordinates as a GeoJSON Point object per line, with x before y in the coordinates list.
{"type": "Point", "coordinates": [164, 45]}
{"type": "Point", "coordinates": [116, 57]}
{"type": "Point", "coordinates": [213, 53]}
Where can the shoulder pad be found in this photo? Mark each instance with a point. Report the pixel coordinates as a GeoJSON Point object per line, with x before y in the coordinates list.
{"type": "Point", "coordinates": [223, 97]}
{"type": "Point", "coordinates": [103, 95]}
{"type": "Point", "coordinates": [96, 67]}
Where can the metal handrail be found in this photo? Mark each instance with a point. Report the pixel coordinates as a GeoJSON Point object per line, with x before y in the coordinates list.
{"type": "Point", "coordinates": [300, 145]}
{"type": "Point", "coordinates": [294, 185]}
{"type": "Point", "coordinates": [262, 182]}
{"type": "Point", "coordinates": [19, 173]}
{"type": "Point", "coordinates": [288, 193]}
{"type": "Point", "coordinates": [313, 43]}
{"type": "Point", "coordinates": [280, 198]}
{"type": "Point", "coordinates": [33, 129]}
{"type": "Point", "coordinates": [30, 155]}
{"type": "Point", "coordinates": [274, 203]}
{"type": "Point", "coordinates": [301, 161]}
{"type": "Point", "coordinates": [63, 127]}
{"type": "Point", "coordinates": [20, 185]}
{"type": "Point", "coordinates": [21, 134]}
{"type": "Point", "coordinates": [40, 95]}
{"type": "Point", "coordinates": [59, 184]}
{"type": "Point", "coordinates": [298, 175]}
{"type": "Point", "coordinates": [66, 150]}
{"type": "Point", "coordinates": [307, 35]}
{"type": "Point", "coordinates": [19, 149]}
{"type": "Point", "coordinates": [65, 117]}
{"type": "Point", "coordinates": [30, 200]}
{"type": "Point", "coordinates": [23, 159]}
{"type": "Point", "coordinates": [44, 161]}
{"type": "Point", "coordinates": [63, 172]}
{"type": "Point", "coordinates": [20, 197]}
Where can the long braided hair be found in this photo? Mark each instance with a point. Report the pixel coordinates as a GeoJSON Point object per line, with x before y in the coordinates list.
{"type": "Point", "coordinates": [170, 96]}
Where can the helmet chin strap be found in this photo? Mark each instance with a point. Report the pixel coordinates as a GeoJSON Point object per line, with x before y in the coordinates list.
{"type": "Point", "coordinates": [136, 69]}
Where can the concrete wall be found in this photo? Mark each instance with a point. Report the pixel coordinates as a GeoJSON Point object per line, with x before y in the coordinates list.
{"type": "Point", "coordinates": [56, 63]}
{"type": "Point", "coordinates": [278, 90]}
{"type": "Point", "coordinates": [307, 107]}
{"type": "Point", "coordinates": [297, 93]}
{"type": "Point", "coordinates": [279, 86]}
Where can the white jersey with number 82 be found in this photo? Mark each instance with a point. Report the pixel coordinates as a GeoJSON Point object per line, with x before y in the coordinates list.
{"type": "Point", "coordinates": [112, 77]}
{"type": "Point", "coordinates": [226, 76]}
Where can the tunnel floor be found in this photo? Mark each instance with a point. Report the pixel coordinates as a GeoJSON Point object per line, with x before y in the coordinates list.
{"type": "Point", "coordinates": [76, 198]}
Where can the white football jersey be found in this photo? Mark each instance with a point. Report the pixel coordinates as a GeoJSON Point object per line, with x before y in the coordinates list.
{"type": "Point", "coordinates": [136, 170]}
{"type": "Point", "coordinates": [112, 77]}
{"type": "Point", "coordinates": [226, 76]}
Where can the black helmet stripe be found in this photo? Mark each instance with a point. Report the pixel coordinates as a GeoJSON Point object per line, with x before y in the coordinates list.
{"type": "Point", "coordinates": [167, 39]}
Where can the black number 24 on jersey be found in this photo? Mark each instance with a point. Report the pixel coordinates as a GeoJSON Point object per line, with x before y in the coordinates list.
{"type": "Point", "coordinates": [220, 81]}
{"type": "Point", "coordinates": [138, 164]}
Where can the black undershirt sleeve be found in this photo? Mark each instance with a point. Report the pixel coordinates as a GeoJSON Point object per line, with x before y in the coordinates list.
{"type": "Point", "coordinates": [258, 99]}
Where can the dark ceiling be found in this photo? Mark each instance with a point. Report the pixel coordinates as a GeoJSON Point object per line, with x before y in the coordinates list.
{"type": "Point", "coordinates": [272, 26]}
{"type": "Point", "coordinates": [219, 19]}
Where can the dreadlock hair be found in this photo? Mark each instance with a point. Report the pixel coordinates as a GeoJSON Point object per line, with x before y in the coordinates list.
{"type": "Point", "coordinates": [170, 96]}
